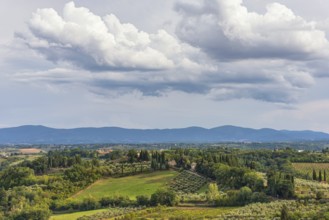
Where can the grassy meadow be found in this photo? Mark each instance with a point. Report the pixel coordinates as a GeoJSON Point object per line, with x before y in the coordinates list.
{"type": "Point", "coordinates": [131, 186]}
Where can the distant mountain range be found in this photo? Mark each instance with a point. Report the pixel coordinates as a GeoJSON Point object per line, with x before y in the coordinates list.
{"type": "Point", "coordinates": [43, 135]}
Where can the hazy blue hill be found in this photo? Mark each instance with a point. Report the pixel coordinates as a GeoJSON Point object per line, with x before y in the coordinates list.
{"type": "Point", "coordinates": [44, 135]}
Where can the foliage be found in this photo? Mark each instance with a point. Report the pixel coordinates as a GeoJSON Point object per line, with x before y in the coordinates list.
{"type": "Point", "coordinates": [163, 197]}
{"type": "Point", "coordinates": [213, 193]}
{"type": "Point", "coordinates": [280, 184]}
{"type": "Point", "coordinates": [81, 176]}
{"type": "Point", "coordinates": [114, 155]}
{"type": "Point", "coordinates": [25, 202]}
{"type": "Point", "coordinates": [143, 200]}
{"type": "Point", "coordinates": [17, 176]}
{"type": "Point", "coordinates": [58, 159]}
{"type": "Point", "coordinates": [159, 161]}
{"type": "Point", "coordinates": [240, 197]}
{"type": "Point", "coordinates": [91, 203]}
{"type": "Point", "coordinates": [228, 176]}
{"type": "Point", "coordinates": [33, 213]}
{"type": "Point", "coordinates": [284, 213]}
{"type": "Point", "coordinates": [192, 198]}
{"type": "Point", "coordinates": [132, 156]}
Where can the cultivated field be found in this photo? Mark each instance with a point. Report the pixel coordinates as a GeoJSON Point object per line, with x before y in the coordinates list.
{"type": "Point", "coordinates": [30, 151]}
{"type": "Point", "coordinates": [308, 167]}
{"type": "Point", "coordinates": [131, 186]}
{"type": "Point", "coordinates": [183, 213]}
{"type": "Point", "coordinates": [309, 188]}
{"type": "Point", "coordinates": [272, 210]}
{"type": "Point", "coordinates": [188, 182]}
{"type": "Point", "coordinates": [75, 215]}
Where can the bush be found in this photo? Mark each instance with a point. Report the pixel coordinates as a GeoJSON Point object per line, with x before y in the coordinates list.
{"type": "Point", "coordinates": [319, 195]}
{"type": "Point", "coordinates": [33, 214]}
{"type": "Point", "coordinates": [259, 197]}
{"type": "Point", "coordinates": [241, 197]}
{"type": "Point", "coordinates": [89, 204]}
{"type": "Point", "coordinates": [244, 195]}
{"type": "Point", "coordinates": [163, 197]}
{"type": "Point", "coordinates": [143, 200]}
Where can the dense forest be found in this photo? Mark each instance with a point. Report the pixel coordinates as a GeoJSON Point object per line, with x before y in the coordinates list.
{"type": "Point", "coordinates": [38, 186]}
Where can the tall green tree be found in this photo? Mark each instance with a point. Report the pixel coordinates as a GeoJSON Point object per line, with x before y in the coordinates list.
{"type": "Point", "coordinates": [213, 193]}
{"type": "Point", "coordinates": [280, 184]}
{"type": "Point", "coordinates": [284, 213]}
{"type": "Point", "coordinates": [320, 176]}
{"type": "Point", "coordinates": [325, 176]}
{"type": "Point", "coordinates": [132, 156]}
{"type": "Point", "coordinates": [314, 175]}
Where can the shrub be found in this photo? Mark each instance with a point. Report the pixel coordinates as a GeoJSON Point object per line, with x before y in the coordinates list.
{"type": "Point", "coordinates": [36, 213]}
{"type": "Point", "coordinates": [89, 204]}
{"type": "Point", "coordinates": [163, 197]}
{"type": "Point", "coordinates": [143, 200]}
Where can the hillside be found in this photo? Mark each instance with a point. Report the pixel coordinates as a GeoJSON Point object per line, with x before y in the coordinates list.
{"type": "Point", "coordinates": [44, 135]}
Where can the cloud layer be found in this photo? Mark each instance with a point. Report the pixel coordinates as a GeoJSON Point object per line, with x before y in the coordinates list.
{"type": "Point", "coordinates": [220, 50]}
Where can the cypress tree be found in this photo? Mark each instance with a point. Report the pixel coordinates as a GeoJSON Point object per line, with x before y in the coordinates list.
{"type": "Point", "coordinates": [284, 213]}
{"type": "Point", "coordinates": [320, 176]}
{"type": "Point", "coordinates": [324, 176]}
{"type": "Point", "coordinates": [314, 175]}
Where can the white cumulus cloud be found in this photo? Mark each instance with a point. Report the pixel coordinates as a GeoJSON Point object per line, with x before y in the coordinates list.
{"type": "Point", "coordinates": [101, 43]}
{"type": "Point", "coordinates": [227, 30]}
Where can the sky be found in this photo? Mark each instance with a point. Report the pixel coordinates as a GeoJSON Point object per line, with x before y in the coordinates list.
{"type": "Point", "coordinates": [165, 64]}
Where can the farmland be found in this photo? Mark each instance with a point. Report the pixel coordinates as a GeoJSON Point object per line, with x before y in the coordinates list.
{"type": "Point", "coordinates": [75, 215]}
{"type": "Point", "coordinates": [187, 182]}
{"type": "Point", "coordinates": [309, 188]}
{"type": "Point", "coordinates": [272, 210]}
{"type": "Point", "coordinates": [307, 168]}
{"type": "Point", "coordinates": [182, 213]}
{"type": "Point", "coordinates": [30, 151]}
{"type": "Point", "coordinates": [131, 186]}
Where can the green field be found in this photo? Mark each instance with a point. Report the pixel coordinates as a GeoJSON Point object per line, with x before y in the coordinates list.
{"type": "Point", "coordinates": [131, 186]}
{"type": "Point", "coordinates": [75, 215]}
